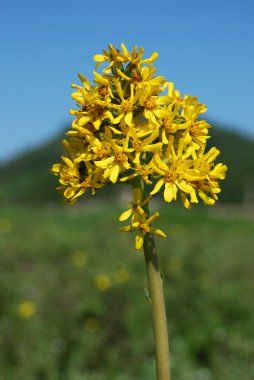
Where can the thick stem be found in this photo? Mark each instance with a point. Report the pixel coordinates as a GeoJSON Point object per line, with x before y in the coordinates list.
{"type": "Point", "coordinates": [158, 309]}
{"type": "Point", "coordinates": [156, 296]}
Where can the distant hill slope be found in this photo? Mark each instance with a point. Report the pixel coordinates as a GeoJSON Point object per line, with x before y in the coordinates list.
{"type": "Point", "coordinates": [237, 152]}
{"type": "Point", "coordinates": [27, 179]}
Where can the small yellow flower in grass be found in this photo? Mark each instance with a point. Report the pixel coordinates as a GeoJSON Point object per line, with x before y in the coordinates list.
{"type": "Point", "coordinates": [26, 309]}
{"type": "Point", "coordinates": [121, 276]}
{"type": "Point", "coordinates": [103, 282]}
{"type": "Point", "coordinates": [79, 259]}
{"type": "Point", "coordinates": [92, 324]}
{"type": "Point", "coordinates": [142, 225]}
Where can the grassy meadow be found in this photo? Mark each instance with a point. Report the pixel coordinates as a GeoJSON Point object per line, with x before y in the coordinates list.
{"type": "Point", "coordinates": [73, 303]}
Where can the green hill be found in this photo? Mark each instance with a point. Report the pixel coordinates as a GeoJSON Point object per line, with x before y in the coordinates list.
{"type": "Point", "coordinates": [237, 151]}
{"type": "Point", "coordinates": [26, 178]}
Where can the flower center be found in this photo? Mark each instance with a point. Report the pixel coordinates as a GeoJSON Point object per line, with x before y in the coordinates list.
{"type": "Point", "coordinates": [195, 184]}
{"type": "Point", "coordinates": [97, 110]}
{"type": "Point", "coordinates": [85, 108]}
{"type": "Point", "coordinates": [170, 176]}
{"type": "Point", "coordinates": [137, 145]}
{"type": "Point", "coordinates": [126, 106]}
{"type": "Point", "coordinates": [193, 130]}
{"type": "Point", "coordinates": [87, 183]}
{"type": "Point", "coordinates": [136, 76]}
{"type": "Point", "coordinates": [120, 157]}
{"type": "Point", "coordinates": [144, 227]}
{"type": "Point", "coordinates": [171, 128]}
{"type": "Point", "coordinates": [143, 170]}
{"type": "Point", "coordinates": [150, 103]}
{"type": "Point", "coordinates": [102, 153]}
{"type": "Point", "coordinates": [103, 91]}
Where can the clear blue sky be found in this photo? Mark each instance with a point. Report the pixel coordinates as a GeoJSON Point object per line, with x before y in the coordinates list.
{"type": "Point", "coordinates": [205, 48]}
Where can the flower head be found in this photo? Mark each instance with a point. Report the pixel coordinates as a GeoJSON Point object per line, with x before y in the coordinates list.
{"type": "Point", "coordinates": [132, 125]}
{"type": "Point", "coordinates": [142, 224]}
{"type": "Point", "coordinates": [26, 309]}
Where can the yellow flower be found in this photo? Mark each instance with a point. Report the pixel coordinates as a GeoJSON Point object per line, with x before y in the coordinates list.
{"type": "Point", "coordinates": [103, 90]}
{"type": "Point", "coordinates": [191, 109]}
{"type": "Point", "coordinates": [141, 145]}
{"type": "Point", "coordinates": [135, 206]}
{"type": "Point", "coordinates": [172, 122]}
{"type": "Point", "coordinates": [196, 134]}
{"type": "Point", "coordinates": [143, 171]}
{"type": "Point", "coordinates": [126, 106]}
{"type": "Point", "coordinates": [142, 224]}
{"type": "Point", "coordinates": [206, 185]}
{"type": "Point", "coordinates": [27, 309]}
{"type": "Point", "coordinates": [172, 177]}
{"type": "Point", "coordinates": [83, 92]}
{"type": "Point", "coordinates": [117, 162]}
{"type": "Point", "coordinates": [116, 57]}
{"type": "Point", "coordinates": [133, 126]}
{"type": "Point", "coordinates": [149, 99]}
{"type": "Point", "coordinates": [141, 76]}
{"type": "Point", "coordinates": [103, 282]}
{"type": "Point", "coordinates": [79, 259]}
{"type": "Point", "coordinates": [76, 176]}
{"type": "Point", "coordinates": [94, 113]}
{"type": "Point", "coordinates": [113, 56]}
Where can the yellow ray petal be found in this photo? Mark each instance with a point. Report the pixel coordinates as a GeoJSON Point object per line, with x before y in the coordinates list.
{"type": "Point", "coordinates": [158, 232]}
{"type": "Point", "coordinates": [139, 240]}
{"type": "Point", "coordinates": [99, 58]}
{"type": "Point", "coordinates": [152, 218]}
{"type": "Point", "coordinates": [114, 173]}
{"type": "Point", "coordinates": [157, 187]}
{"type": "Point", "coordinates": [125, 215]}
{"type": "Point", "coordinates": [168, 192]}
{"type": "Point", "coordinates": [126, 229]}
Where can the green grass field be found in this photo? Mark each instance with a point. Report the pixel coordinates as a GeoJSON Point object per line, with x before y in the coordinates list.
{"type": "Point", "coordinates": [73, 304]}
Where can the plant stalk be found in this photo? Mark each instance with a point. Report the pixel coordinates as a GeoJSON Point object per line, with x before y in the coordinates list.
{"type": "Point", "coordinates": [157, 302]}
{"type": "Point", "coordinates": [156, 298]}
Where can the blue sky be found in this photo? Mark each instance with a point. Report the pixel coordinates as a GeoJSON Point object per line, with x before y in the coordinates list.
{"type": "Point", "coordinates": [205, 48]}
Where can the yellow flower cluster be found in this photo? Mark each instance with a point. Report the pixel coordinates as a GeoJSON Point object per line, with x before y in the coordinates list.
{"type": "Point", "coordinates": [133, 124]}
{"type": "Point", "coordinates": [27, 309]}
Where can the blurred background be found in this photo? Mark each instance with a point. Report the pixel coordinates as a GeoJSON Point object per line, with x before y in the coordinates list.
{"type": "Point", "coordinates": [72, 295]}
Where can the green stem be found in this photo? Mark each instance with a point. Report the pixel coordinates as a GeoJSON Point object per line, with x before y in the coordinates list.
{"type": "Point", "coordinates": [157, 301]}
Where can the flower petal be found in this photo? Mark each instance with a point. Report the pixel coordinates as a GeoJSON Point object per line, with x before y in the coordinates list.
{"type": "Point", "coordinates": [114, 173]}
{"type": "Point", "coordinates": [139, 240]}
{"type": "Point", "coordinates": [157, 187]}
{"type": "Point", "coordinates": [125, 215]}
{"type": "Point", "coordinates": [158, 232]}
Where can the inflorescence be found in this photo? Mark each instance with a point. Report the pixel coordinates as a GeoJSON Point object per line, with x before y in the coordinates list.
{"type": "Point", "coordinates": [134, 125]}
